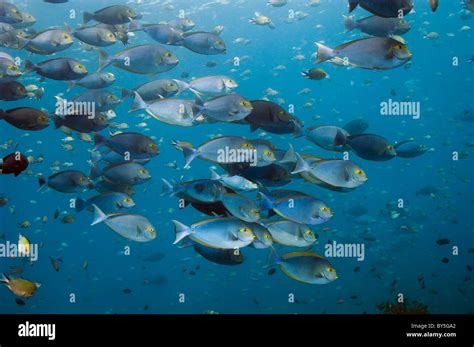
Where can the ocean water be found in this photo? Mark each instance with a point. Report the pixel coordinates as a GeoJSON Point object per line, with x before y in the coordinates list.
{"type": "Point", "coordinates": [157, 275]}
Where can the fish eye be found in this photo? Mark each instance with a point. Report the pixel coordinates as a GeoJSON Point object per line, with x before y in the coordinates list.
{"type": "Point", "coordinates": [143, 171]}
{"type": "Point", "coordinates": [150, 230]}
{"type": "Point", "coordinates": [66, 36]}
{"type": "Point", "coordinates": [167, 54]}
{"type": "Point", "coordinates": [268, 237]}
{"type": "Point", "coordinates": [358, 171]}
{"type": "Point", "coordinates": [245, 230]}
{"type": "Point", "coordinates": [309, 232]}
{"type": "Point", "coordinates": [12, 67]}
{"type": "Point", "coordinates": [324, 209]}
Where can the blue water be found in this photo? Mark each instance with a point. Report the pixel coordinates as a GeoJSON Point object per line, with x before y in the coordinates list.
{"type": "Point", "coordinates": [443, 90]}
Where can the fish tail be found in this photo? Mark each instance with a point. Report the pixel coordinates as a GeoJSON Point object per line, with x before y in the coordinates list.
{"type": "Point", "coordinates": [58, 121]}
{"type": "Point", "coordinates": [289, 156]}
{"type": "Point", "coordinates": [29, 66]}
{"type": "Point", "coordinates": [5, 278]}
{"type": "Point", "coordinates": [215, 175]}
{"type": "Point", "coordinates": [168, 188]}
{"type": "Point", "coordinates": [41, 182]}
{"type": "Point", "coordinates": [99, 140]}
{"type": "Point", "coordinates": [266, 203]}
{"type": "Point", "coordinates": [70, 85]}
{"type": "Point", "coordinates": [95, 172]}
{"type": "Point", "coordinates": [181, 231]}
{"type": "Point", "coordinates": [299, 130]}
{"type": "Point", "coordinates": [104, 59]}
{"type": "Point", "coordinates": [324, 53]}
{"type": "Point", "coordinates": [340, 139]}
{"type": "Point", "coordinates": [189, 155]}
{"type": "Point", "coordinates": [305, 74]}
{"type": "Point", "coordinates": [183, 86]}
{"type": "Point", "coordinates": [349, 23]}
{"type": "Point", "coordinates": [353, 4]}
{"type": "Point", "coordinates": [99, 216]}
{"type": "Point", "coordinates": [301, 165]}
{"type": "Point", "coordinates": [22, 42]}
{"type": "Point", "coordinates": [138, 103]}
{"type": "Point", "coordinates": [273, 258]}
{"type": "Point", "coordinates": [135, 26]}
{"type": "Point", "coordinates": [87, 17]}
{"type": "Point", "coordinates": [81, 204]}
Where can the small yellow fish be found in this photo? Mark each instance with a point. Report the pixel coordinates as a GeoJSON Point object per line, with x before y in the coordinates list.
{"type": "Point", "coordinates": [20, 287]}
{"type": "Point", "coordinates": [24, 245]}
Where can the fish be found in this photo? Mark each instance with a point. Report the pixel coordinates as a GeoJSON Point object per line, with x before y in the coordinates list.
{"type": "Point", "coordinates": [315, 74]}
{"type": "Point", "coordinates": [14, 163]}
{"type": "Point", "coordinates": [60, 69]}
{"type": "Point", "coordinates": [241, 207]}
{"type": "Point", "coordinates": [356, 126]}
{"type": "Point", "coordinates": [371, 147]}
{"type": "Point", "coordinates": [291, 234]}
{"type": "Point", "coordinates": [183, 24]}
{"type": "Point", "coordinates": [378, 26]}
{"type": "Point", "coordinates": [108, 202]}
{"type": "Point", "coordinates": [142, 59]}
{"type": "Point", "coordinates": [55, 263]}
{"type": "Point", "coordinates": [271, 117]}
{"type": "Point", "coordinates": [373, 53]}
{"type": "Point", "coordinates": [134, 145]}
{"type": "Point", "coordinates": [9, 13]}
{"type": "Point", "coordinates": [383, 8]}
{"type": "Point", "coordinates": [328, 137]}
{"type": "Point", "coordinates": [410, 149]}
{"type": "Point", "coordinates": [82, 123]}
{"type": "Point", "coordinates": [123, 174]}
{"type": "Point", "coordinates": [261, 20]}
{"type": "Point", "coordinates": [68, 181]}
{"type": "Point", "coordinates": [204, 43]}
{"type": "Point", "coordinates": [130, 226]}
{"type": "Point", "coordinates": [95, 36]}
{"type": "Point", "coordinates": [226, 108]}
{"type": "Point", "coordinates": [295, 206]}
{"type": "Point", "coordinates": [305, 267]}
{"type": "Point", "coordinates": [235, 182]}
{"type": "Point", "coordinates": [47, 42]}
{"type": "Point", "coordinates": [96, 80]}
{"type": "Point", "coordinates": [26, 118]}
{"type": "Point", "coordinates": [113, 15]}
{"type": "Point", "coordinates": [211, 85]}
{"type": "Point", "coordinates": [212, 150]}
{"type": "Point", "coordinates": [199, 191]}
{"type": "Point", "coordinates": [222, 233]}
{"type": "Point", "coordinates": [230, 257]}
{"type": "Point", "coordinates": [333, 174]}
{"type": "Point", "coordinates": [154, 90]}
{"type": "Point", "coordinates": [12, 91]}
{"type": "Point", "coordinates": [162, 33]}
{"type": "Point", "coordinates": [20, 287]}
{"type": "Point", "coordinates": [263, 238]}
{"type": "Point", "coordinates": [182, 112]}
